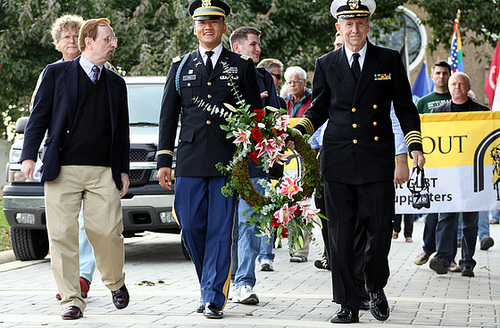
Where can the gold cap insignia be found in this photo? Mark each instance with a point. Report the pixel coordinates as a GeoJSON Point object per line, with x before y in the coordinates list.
{"type": "Point", "coordinates": [353, 4]}
{"type": "Point", "coordinates": [206, 3]}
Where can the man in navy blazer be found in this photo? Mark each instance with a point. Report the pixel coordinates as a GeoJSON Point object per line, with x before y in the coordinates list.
{"type": "Point", "coordinates": [81, 108]}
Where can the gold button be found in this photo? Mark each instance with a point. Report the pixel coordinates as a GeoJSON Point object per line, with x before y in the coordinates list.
{"type": "Point", "coordinates": [375, 106]}
{"type": "Point", "coordinates": [208, 122]}
{"type": "Point", "coordinates": [189, 84]}
{"type": "Point", "coordinates": [376, 138]}
{"type": "Point", "coordinates": [209, 83]}
{"type": "Point", "coordinates": [67, 131]}
{"type": "Point", "coordinates": [354, 125]}
{"type": "Point", "coordinates": [353, 110]}
{"type": "Point", "coordinates": [375, 123]}
{"type": "Point", "coordinates": [355, 141]}
{"type": "Point", "coordinates": [209, 96]}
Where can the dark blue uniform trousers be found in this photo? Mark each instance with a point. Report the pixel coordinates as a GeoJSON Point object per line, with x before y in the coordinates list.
{"type": "Point", "coordinates": [207, 219]}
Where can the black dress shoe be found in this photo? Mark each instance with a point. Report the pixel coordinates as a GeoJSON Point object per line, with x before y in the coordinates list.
{"type": "Point", "coordinates": [365, 305]}
{"type": "Point", "coordinates": [72, 312]}
{"type": "Point", "coordinates": [213, 311]}
{"type": "Point", "coordinates": [121, 297]}
{"type": "Point", "coordinates": [322, 264]}
{"type": "Point", "coordinates": [379, 307]}
{"type": "Point", "coordinates": [345, 315]}
{"type": "Point", "coordinates": [200, 307]}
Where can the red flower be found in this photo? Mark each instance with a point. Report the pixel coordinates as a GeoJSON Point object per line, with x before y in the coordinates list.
{"type": "Point", "coordinates": [276, 132]}
{"type": "Point", "coordinates": [284, 233]}
{"type": "Point", "coordinates": [298, 211]}
{"type": "Point", "coordinates": [259, 114]}
{"type": "Point", "coordinates": [256, 134]}
{"type": "Point", "coordinates": [253, 156]}
{"type": "Point", "coordinates": [275, 222]}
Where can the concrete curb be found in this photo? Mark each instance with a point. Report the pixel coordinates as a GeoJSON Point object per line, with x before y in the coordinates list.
{"type": "Point", "coordinates": [7, 256]}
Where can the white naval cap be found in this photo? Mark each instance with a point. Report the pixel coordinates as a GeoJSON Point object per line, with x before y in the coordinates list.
{"type": "Point", "coordinates": [352, 8]}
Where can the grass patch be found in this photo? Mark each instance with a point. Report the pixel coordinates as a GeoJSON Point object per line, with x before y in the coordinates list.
{"type": "Point", "coordinates": [4, 231]}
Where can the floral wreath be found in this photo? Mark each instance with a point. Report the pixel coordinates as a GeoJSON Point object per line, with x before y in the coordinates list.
{"type": "Point", "coordinates": [261, 136]}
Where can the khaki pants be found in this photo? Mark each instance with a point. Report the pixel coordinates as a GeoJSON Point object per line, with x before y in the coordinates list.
{"type": "Point", "coordinates": [93, 188]}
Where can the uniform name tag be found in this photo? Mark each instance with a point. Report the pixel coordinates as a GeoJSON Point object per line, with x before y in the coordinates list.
{"type": "Point", "coordinates": [189, 77]}
{"type": "Point", "coordinates": [382, 77]}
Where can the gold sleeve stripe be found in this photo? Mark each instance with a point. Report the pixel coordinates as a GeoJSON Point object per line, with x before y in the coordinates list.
{"type": "Point", "coordinates": [413, 137]}
{"type": "Point", "coordinates": [307, 124]}
{"type": "Point", "coordinates": [165, 152]}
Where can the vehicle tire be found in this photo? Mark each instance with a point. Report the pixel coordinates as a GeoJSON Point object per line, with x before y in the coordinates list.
{"type": "Point", "coordinates": [185, 251]}
{"type": "Point", "coordinates": [29, 244]}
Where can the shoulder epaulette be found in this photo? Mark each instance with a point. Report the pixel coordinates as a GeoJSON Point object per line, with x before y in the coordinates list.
{"type": "Point", "coordinates": [176, 59]}
{"type": "Point", "coordinates": [245, 57]}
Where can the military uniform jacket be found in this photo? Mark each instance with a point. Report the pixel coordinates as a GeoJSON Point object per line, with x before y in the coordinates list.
{"type": "Point", "coordinates": [200, 105]}
{"type": "Point", "coordinates": [358, 144]}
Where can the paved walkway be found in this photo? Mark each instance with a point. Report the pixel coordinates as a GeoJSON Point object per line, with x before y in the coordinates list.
{"type": "Point", "coordinates": [164, 292]}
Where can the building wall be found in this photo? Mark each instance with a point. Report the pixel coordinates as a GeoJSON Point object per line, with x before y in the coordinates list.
{"type": "Point", "coordinates": [476, 70]}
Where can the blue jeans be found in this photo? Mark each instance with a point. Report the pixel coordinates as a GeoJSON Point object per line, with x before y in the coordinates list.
{"type": "Point", "coordinates": [266, 248]}
{"type": "Point", "coordinates": [248, 242]}
{"type": "Point", "coordinates": [87, 262]}
{"type": "Point", "coordinates": [430, 233]}
{"type": "Point", "coordinates": [483, 225]}
{"type": "Point", "coordinates": [446, 232]}
{"type": "Point", "coordinates": [495, 215]}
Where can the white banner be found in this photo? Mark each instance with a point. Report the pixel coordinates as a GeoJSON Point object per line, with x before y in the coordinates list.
{"type": "Point", "coordinates": [461, 150]}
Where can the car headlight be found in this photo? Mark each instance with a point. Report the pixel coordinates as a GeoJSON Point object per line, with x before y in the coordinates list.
{"type": "Point", "coordinates": [14, 155]}
{"type": "Point", "coordinates": [16, 176]}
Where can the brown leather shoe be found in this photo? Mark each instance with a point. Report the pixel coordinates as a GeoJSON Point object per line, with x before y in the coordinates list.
{"type": "Point", "coordinates": [454, 267]}
{"type": "Point", "coordinates": [422, 258]}
{"type": "Point", "coordinates": [121, 297]}
{"type": "Point", "coordinates": [72, 312]}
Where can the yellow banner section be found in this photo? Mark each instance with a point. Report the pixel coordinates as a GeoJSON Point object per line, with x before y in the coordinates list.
{"type": "Point", "coordinates": [460, 139]}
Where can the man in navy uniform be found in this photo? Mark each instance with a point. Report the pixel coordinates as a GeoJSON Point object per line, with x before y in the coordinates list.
{"type": "Point", "coordinates": [198, 84]}
{"type": "Point", "coordinates": [353, 87]}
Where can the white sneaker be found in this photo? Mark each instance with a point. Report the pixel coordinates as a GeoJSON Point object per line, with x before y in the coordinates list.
{"type": "Point", "coordinates": [266, 265]}
{"type": "Point", "coordinates": [232, 290]}
{"type": "Point", "coordinates": [244, 294]}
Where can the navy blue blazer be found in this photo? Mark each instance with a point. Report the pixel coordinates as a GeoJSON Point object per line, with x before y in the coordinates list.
{"type": "Point", "coordinates": [54, 112]}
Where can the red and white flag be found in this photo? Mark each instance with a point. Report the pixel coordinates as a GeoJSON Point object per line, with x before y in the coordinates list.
{"type": "Point", "coordinates": [491, 87]}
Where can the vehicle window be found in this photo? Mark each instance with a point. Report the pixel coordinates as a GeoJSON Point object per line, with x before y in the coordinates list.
{"type": "Point", "coordinates": [144, 103]}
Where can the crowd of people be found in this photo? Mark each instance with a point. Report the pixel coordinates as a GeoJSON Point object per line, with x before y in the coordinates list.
{"type": "Point", "coordinates": [363, 129]}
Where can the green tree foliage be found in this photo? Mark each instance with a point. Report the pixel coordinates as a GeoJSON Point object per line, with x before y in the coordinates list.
{"type": "Point", "coordinates": [151, 33]}
{"type": "Point", "coordinates": [479, 21]}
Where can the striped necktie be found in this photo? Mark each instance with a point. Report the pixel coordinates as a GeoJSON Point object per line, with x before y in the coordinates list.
{"type": "Point", "coordinates": [95, 74]}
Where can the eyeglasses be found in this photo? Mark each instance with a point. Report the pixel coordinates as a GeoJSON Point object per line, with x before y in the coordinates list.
{"type": "Point", "coordinates": [110, 39]}
{"type": "Point", "coordinates": [278, 76]}
{"type": "Point", "coordinates": [294, 82]}
{"type": "Point", "coordinates": [68, 38]}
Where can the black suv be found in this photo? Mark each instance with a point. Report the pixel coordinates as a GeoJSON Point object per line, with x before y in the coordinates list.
{"type": "Point", "coordinates": [146, 207]}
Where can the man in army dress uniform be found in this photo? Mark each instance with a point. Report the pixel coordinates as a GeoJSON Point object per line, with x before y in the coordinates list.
{"type": "Point", "coordinates": [198, 84]}
{"type": "Point", "coordinates": [353, 87]}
